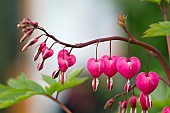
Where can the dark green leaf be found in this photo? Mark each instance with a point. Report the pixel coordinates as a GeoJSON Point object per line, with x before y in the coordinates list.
{"type": "Point", "coordinates": [158, 29]}
{"type": "Point", "coordinates": [153, 1]}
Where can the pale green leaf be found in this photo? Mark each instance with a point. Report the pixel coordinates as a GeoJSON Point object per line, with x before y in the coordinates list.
{"type": "Point", "coordinates": [74, 74]}
{"type": "Point", "coordinates": [158, 29]}
{"type": "Point", "coordinates": [153, 1]}
{"type": "Point", "coordinates": [48, 79]}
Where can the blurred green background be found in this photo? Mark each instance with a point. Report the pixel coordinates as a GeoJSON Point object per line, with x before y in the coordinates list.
{"type": "Point", "coordinates": [140, 16]}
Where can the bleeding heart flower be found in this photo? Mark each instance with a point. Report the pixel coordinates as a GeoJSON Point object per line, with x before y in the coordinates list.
{"type": "Point", "coordinates": [63, 65]}
{"type": "Point", "coordinates": [143, 102]}
{"type": "Point", "coordinates": [69, 57]}
{"type": "Point", "coordinates": [46, 52]}
{"type": "Point", "coordinates": [63, 53]}
{"type": "Point", "coordinates": [166, 109]}
{"type": "Point", "coordinates": [128, 68]}
{"type": "Point", "coordinates": [96, 68]}
{"type": "Point", "coordinates": [110, 69]}
{"type": "Point", "coordinates": [147, 83]}
{"type": "Point", "coordinates": [110, 65]}
{"type": "Point", "coordinates": [133, 104]}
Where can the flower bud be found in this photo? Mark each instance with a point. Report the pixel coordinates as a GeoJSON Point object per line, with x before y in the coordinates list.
{"type": "Point", "coordinates": [55, 74]}
{"type": "Point", "coordinates": [40, 47]}
{"type": "Point", "coordinates": [30, 43]}
{"type": "Point", "coordinates": [109, 104]}
{"type": "Point", "coordinates": [40, 65]}
{"type": "Point", "coordinates": [133, 104]}
{"type": "Point", "coordinates": [124, 106]}
{"type": "Point", "coordinates": [166, 109]}
{"type": "Point", "coordinates": [26, 35]}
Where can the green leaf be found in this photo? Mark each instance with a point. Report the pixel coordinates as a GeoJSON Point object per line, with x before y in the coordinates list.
{"type": "Point", "coordinates": [167, 1]}
{"type": "Point", "coordinates": [158, 29]}
{"type": "Point", "coordinates": [71, 81]}
{"type": "Point", "coordinates": [48, 79]}
{"type": "Point", "coordinates": [153, 1]}
{"type": "Point", "coordinates": [13, 96]}
{"type": "Point", "coordinates": [74, 74]}
{"type": "Point", "coordinates": [18, 90]}
{"type": "Point", "coordinates": [23, 83]}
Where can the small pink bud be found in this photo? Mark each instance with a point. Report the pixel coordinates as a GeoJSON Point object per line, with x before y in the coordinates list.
{"type": "Point", "coordinates": [166, 109]}
{"type": "Point", "coordinates": [95, 83]}
{"type": "Point", "coordinates": [128, 69]}
{"type": "Point", "coordinates": [147, 83]}
{"type": "Point", "coordinates": [40, 65]}
{"type": "Point", "coordinates": [124, 106]}
{"type": "Point", "coordinates": [133, 104]}
{"type": "Point", "coordinates": [96, 68]}
{"type": "Point", "coordinates": [109, 104]}
{"type": "Point", "coordinates": [30, 43]}
{"type": "Point", "coordinates": [46, 52]}
{"type": "Point", "coordinates": [55, 74]}
{"type": "Point", "coordinates": [26, 35]}
{"type": "Point", "coordinates": [40, 47]}
{"type": "Point", "coordinates": [119, 107]}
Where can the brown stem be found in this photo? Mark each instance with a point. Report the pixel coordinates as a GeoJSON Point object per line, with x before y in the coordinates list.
{"type": "Point", "coordinates": [60, 104]}
{"type": "Point", "coordinates": [164, 10]}
{"type": "Point", "coordinates": [150, 49]}
{"type": "Point", "coordinates": [167, 83]}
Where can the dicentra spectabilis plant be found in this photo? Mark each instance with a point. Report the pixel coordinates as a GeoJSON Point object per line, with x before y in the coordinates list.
{"type": "Point", "coordinates": [137, 92]}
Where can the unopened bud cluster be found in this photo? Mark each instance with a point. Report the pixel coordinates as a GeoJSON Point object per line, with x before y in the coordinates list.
{"type": "Point", "coordinates": [65, 59]}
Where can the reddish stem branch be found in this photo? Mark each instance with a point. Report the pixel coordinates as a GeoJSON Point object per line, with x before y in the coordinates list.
{"type": "Point", "coordinates": [150, 49]}
{"type": "Point", "coordinates": [60, 104]}
{"type": "Point", "coordinates": [167, 83]}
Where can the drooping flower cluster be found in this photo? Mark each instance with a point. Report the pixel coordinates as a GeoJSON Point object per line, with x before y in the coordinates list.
{"type": "Point", "coordinates": [127, 67]}
{"type": "Point", "coordinates": [110, 66]}
{"type": "Point", "coordinates": [65, 59]}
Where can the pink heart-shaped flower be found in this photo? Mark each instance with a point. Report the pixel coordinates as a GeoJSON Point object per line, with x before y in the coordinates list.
{"type": "Point", "coordinates": [128, 68]}
{"type": "Point", "coordinates": [63, 53]}
{"type": "Point", "coordinates": [63, 64]}
{"type": "Point", "coordinates": [147, 83]}
{"type": "Point", "coordinates": [110, 65]}
{"type": "Point", "coordinates": [96, 68]}
{"type": "Point", "coordinates": [71, 60]}
{"type": "Point", "coordinates": [46, 52]}
{"type": "Point", "coordinates": [166, 109]}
